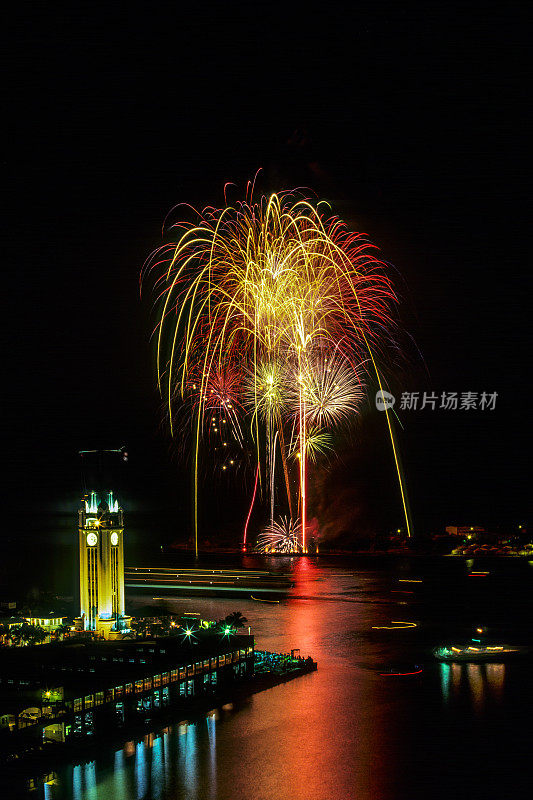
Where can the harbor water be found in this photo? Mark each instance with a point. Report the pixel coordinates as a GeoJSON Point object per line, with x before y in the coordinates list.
{"type": "Point", "coordinates": [380, 719]}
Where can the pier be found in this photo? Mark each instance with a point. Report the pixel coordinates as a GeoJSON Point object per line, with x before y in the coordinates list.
{"type": "Point", "coordinates": [57, 699]}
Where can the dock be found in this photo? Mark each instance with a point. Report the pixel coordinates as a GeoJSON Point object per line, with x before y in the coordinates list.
{"type": "Point", "coordinates": [34, 746]}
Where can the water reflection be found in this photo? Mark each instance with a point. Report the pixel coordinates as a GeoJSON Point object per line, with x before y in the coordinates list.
{"type": "Point", "coordinates": [457, 672]}
{"type": "Point", "coordinates": [157, 777]}
{"type": "Point", "coordinates": [445, 678]}
{"type": "Point", "coordinates": [141, 770]}
{"type": "Point", "coordinates": [119, 773]}
{"type": "Point", "coordinates": [188, 759]}
{"type": "Point", "coordinates": [495, 679]}
{"type": "Point", "coordinates": [183, 755]}
{"type": "Point", "coordinates": [212, 737]}
{"type": "Point", "coordinates": [482, 681]}
{"type": "Point", "coordinates": [76, 783]}
{"type": "Point", "coordinates": [90, 781]}
{"type": "Point", "coordinates": [476, 684]}
{"type": "Point", "coordinates": [129, 749]}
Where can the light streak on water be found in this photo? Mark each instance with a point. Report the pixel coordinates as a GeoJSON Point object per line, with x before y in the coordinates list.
{"type": "Point", "coordinates": [76, 783]}
{"type": "Point", "coordinates": [445, 676]}
{"type": "Point", "coordinates": [157, 781]}
{"type": "Point", "coordinates": [141, 770]}
{"type": "Point", "coordinates": [212, 736]}
{"type": "Point", "coordinates": [496, 679]}
{"type": "Point", "coordinates": [477, 689]}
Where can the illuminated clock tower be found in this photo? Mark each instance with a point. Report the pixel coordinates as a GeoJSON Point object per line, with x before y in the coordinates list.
{"type": "Point", "coordinates": [101, 543]}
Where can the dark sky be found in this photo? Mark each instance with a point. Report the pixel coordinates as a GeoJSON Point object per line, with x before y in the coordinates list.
{"type": "Point", "coordinates": [409, 118]}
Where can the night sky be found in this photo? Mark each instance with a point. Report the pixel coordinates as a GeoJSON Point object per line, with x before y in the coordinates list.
{"type": "Point", "coordinates": [409, 118]}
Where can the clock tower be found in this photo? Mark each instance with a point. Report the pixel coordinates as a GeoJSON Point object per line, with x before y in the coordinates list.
{"type": "Point", "coordinates": [101, 545]}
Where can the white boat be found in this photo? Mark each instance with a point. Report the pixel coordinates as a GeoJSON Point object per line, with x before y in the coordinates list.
{"type": "Point", "coordinates": [479, 653]}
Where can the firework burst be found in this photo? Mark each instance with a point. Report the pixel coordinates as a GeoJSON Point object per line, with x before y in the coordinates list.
{"type": "Point", "coordinates": [318, 443]}
{"type": "Point", "coordinates": [332, 390]}
{"type": "Point", "coordinates": [291, 297]}
{"type": "Point", "coordinates": [280, 537]}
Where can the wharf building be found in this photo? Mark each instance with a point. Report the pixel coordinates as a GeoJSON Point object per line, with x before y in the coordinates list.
{"type": "Point", "coordinates": [468, 531]}
{"type": "Point", "coordinates": [76, 689]}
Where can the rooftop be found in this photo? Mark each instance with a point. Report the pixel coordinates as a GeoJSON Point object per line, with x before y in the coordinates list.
{"type": "Point", "coordinates": [78, 662]}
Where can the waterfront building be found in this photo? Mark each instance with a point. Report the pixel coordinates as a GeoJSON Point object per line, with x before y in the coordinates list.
{"type": "Point", "coordinates": [101, 553]}
{"type": "Point", "coordinates": [466, 531]}
{"type": "Point", "coordinates": [79, 688]}
{"type": "Point", "coordinates": [49, 621]}
{"type": "Point", "coordinates": [35, 627]}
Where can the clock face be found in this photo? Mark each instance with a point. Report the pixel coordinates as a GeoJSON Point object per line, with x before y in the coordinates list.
{"type": "Point", "coordinates": [114, 538]}
{"type": "Point", "coordinates": [92, 539]}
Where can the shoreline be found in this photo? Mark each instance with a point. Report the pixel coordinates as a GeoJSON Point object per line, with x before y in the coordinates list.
{"type": "Point", "coordinates": [356, 553]}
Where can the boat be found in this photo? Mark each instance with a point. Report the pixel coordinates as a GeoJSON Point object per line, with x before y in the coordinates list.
{"type": "Point", "coordinates": [478, 649]}
{"type": "Point", "coordinates": [483, 653]}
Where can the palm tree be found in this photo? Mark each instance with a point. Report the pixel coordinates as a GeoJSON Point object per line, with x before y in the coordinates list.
{"type": "Point", "coordinates": [236, 620]}
{"type": "Point", "coordinates": [4, 633]}
{"type": "Point", "coordinates": [62, 630]}
{"type": "Point", "coordinates": [14, 634]}
{"type": "Point", "coordinates": [37, 635]}
{"type": "Point", "coordinates": [21, 634]}
{"type": "Point", "coordinates": [142, 627]}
